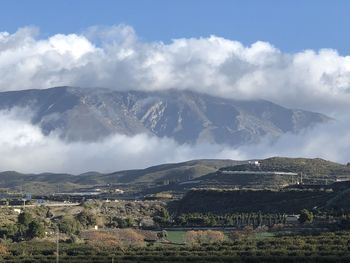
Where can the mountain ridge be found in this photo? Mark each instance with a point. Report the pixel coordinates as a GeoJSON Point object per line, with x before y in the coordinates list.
{"type": "Point", "coordinates": [85, 114]}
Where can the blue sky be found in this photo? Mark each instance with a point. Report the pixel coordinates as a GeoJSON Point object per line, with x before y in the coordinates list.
{"type": "Point", "coordinates": [289, 25]}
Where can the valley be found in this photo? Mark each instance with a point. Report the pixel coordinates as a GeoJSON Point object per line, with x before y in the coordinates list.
{"type": "Point", "coordinates": [180, 209]}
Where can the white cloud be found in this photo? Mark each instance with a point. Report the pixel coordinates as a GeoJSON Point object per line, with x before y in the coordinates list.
{"type": "Point", "coordinates": [331, 142]}
{"type": "Point", "coordinates": [24, 148]}
{"type": "Point", "coordinates": [114, 57]}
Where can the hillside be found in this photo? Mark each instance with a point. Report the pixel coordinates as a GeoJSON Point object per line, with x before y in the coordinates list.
{"type": "Point", "coordinates": [308, 171]}
{"type": "Point", "coordinates": [266, 201]}
{"type": "Point", "coordinates": [315, 167]}
{"type": "Point", "coordinates": [160, 174]}
{"type": "Point", "coordinates": [186, 116]}
{"type": "Point", "coordinates": [186, 175]}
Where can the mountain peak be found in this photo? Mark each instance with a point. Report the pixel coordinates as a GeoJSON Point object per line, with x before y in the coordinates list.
{"type": "Point", "coordinates": [186, 116]}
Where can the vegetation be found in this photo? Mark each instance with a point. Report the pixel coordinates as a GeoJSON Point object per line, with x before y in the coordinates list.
{"type": "Point", "coordinates": [177, 237]}
{"type": "Point", "coordinates": [166, 176]}
{"type": "Point", "coordinates": [315, 167]}
{"type": "Point", "coordinates": [204, 225]}
{"type": "Point", "coordinates": [306, 216]}
{"type": "Point", "coordinates": [122, 238]}
{"type": "Point", "coordinates": [157, 175]}
{"type": "Point", "coordinates": [204, 237]}
{"type": "Point", "coordinates": [229, 220]}
{"type": "Point", "coordinates": [320, 247]}
{"type": "Point", "coordinates": [87, 218]}
{"type": "Point", "coordinates": [26, 228]}
{"type": "Point", "coordinates": [265, 201]}
{"type": "Point", "coordinates": [69, 225]}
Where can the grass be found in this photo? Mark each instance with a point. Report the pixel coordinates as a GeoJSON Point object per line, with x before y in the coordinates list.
{"type": "Point", "coordinates": [177, 237]}
{"type": "Point", "coordinates": [263, 235]}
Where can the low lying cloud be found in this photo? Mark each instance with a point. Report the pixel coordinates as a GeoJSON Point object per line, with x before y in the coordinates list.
{"type": "Point", "coordinates": [115, 57]}
{"type": "Point", "coordinates": [24, 148]}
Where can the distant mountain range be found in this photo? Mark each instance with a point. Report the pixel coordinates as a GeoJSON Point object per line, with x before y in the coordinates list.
{"type": "Point", "coordinates": [188, 117]}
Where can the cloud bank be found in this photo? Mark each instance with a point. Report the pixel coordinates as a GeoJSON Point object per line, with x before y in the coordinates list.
{"type": "Point", "coordinates": [115, 57]}
{"type": "Point", "coordinates": [24, 148]}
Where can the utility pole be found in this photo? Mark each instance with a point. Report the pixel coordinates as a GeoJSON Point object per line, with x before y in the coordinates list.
{"type": "Point", "coordinates": [58, 246]}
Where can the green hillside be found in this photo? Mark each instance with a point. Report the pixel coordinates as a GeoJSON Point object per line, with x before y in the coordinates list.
{"type": "Point", "coordinates": [160, 174]}
{"type": "Point", "coordinates": [185, 175]}
{"type": "Point", "coordinates": [312, 167]}
{"type": "Point", "coordinates": [266, 201]}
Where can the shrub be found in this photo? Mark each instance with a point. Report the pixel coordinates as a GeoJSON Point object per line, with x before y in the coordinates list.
{"type": "Point", "coordinates": [3, 250]}
{"type": "Point", "coordinates": [122, 222]}
{"type": "Point", "coordinates": [8, 231]}
{"type": "Point", "coordinates": [306, 216]}
{"type": "Point", "coordinates": [204, 237]}
{"type": "Point", "coordinates": [87, 218]}
{"type": "Point", "coordinates": [69, 225]}
{"type": "Point", "coordinates": [117, 238]}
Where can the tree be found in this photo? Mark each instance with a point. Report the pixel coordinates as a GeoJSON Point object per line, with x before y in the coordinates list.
{"type": "Point", "coordinates": [122, 222]}
{"type": "Point", "coordinates": [306, 216]}
{"type": "Point", "coordinates": [49, 214]}
{"type": "Point", "coordinates": [35, 229]}
{"type": "Point", "coordinates": [8, 231]}
{"type": "Point", "coordinates": [204, 237]}
{"type": "Point", "coordinates": [121, 238]}
{"type": "Point", "coordinates": [87, 218]}
{"type": "Point", "coordinates": [259, 219]}
{"type": "Point", "coordinates": [162, 235]}
{"type": "Point", "coordinates": [69, 225]}
{"type": "Point", "coordinates": [24, 218]}
{"type": "Point", "coordinates": [130, 222]}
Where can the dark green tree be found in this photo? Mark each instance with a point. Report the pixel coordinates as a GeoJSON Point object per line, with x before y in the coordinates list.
{"type": "Point", "coordinates": [35, 229]}
{"type": "Point", "coordinates": [69, 225]}
{"type": "Point", "coordinates": [130, 222]}
{"type": "Point", "coordinates": [49, 214]}
{"type": "Point", "coordinates": [306, 216]}
{"type": "Point", "coordinates": [24, 218]}
{"type": "Point", "coordinates": [8, 231]}
{"type": "Point", "coordinates": [87, 218]}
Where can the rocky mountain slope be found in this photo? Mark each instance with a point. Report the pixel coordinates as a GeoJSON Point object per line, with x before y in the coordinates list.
{"type": "Point", "coordinates": [186, 116]}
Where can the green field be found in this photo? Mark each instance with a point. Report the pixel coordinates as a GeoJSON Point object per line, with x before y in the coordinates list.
{"type": "Point", "coordinates": [263, 235]}
{"type": "Point", "coordinates": [177, 236]}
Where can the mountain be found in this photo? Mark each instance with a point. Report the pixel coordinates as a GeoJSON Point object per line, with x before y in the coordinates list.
{"type": "Point", "coordinates": [186, 116]}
